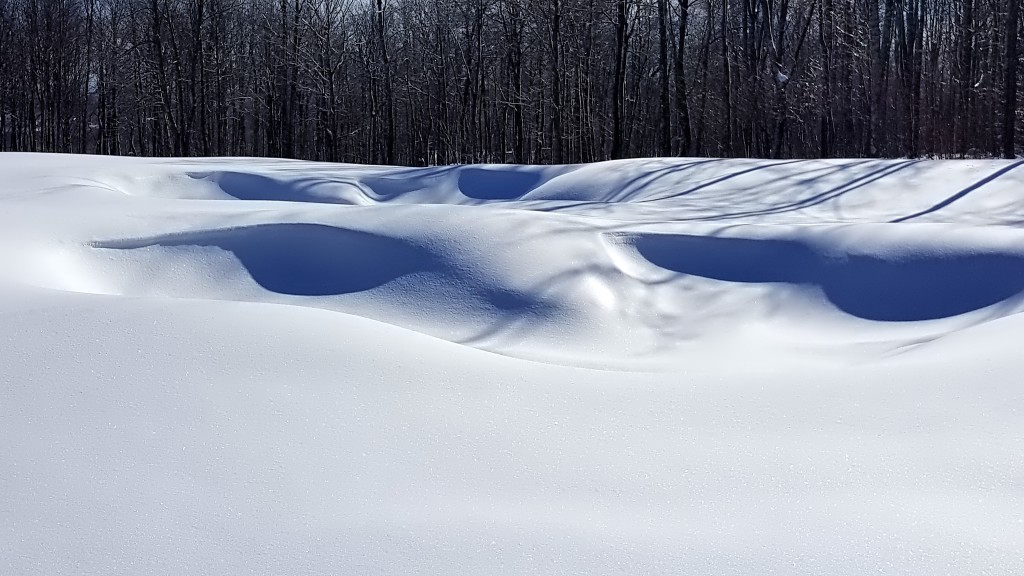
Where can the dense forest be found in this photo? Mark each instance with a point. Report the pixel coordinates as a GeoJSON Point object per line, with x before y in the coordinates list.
{"type": "Point", "coordinates": [527, 81]}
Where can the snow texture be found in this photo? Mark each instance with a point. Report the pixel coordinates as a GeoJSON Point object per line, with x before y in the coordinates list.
{"type": "Point", "coordinates": [667, 366]}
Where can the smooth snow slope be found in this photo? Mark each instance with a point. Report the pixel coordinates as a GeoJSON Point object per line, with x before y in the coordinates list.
{"type": "Point", "coordinates": [684, 366]}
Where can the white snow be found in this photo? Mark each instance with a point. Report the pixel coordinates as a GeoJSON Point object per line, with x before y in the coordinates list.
{"type": "Point", "coordinates": [669, 366]}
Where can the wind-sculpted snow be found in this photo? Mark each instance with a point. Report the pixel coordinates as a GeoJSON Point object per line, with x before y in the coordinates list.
{"type": "Point", "coordinates": [889, 285]}
{"type": "Point", "coordinates": [489, 183]}
{"type": "Point", "coordinates": [468, 183]}
{"type": "Point", "coordinates": [304, 259]}
{"type": "Point", "coordinates": [249, 186]}
{"type": "Point", "coordinates": [659, 366]}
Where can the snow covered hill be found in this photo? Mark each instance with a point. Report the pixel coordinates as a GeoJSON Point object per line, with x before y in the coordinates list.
{"type": "Point", "coordinates": [678, 366]}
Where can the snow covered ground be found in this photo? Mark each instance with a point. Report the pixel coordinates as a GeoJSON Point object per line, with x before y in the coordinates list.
{"type": "Point", "coordinates": [685, 366]}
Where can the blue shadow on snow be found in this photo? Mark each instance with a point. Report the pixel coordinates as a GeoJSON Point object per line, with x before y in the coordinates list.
{"type": "Point", "coordinates": [906, 288]}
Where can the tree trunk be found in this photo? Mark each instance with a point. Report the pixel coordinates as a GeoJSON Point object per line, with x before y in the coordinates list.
{"type": "Point", "coordinates": [682, 104]}
{"type": "Point", "coordinates": [1010, 82]}
{"type": "Point", "coordinates": [665, 122]}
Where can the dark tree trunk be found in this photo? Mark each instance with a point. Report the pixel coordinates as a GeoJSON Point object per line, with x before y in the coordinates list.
{"type": "Point", "coordinates": [1010, 82]}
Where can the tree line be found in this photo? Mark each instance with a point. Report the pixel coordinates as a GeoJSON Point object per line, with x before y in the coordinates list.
{"type": "Point", "coordinates": [526, 81]}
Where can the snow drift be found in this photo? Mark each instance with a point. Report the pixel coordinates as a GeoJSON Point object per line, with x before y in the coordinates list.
{"type": "Point", "coordinates": [692, 366]}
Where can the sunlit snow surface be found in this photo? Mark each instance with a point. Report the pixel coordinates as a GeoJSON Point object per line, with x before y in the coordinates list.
{"type": "Point", "coordinates": [686, 366]}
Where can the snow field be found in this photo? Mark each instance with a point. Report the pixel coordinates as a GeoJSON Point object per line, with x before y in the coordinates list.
{"type": "Point", "coordinates": [679, 366]}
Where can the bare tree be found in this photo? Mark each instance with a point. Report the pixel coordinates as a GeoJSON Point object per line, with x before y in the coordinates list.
{"type": "Point", "coordinates": [441, 81]}
{"type": "Point", "coordinates": [1010, 83]}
